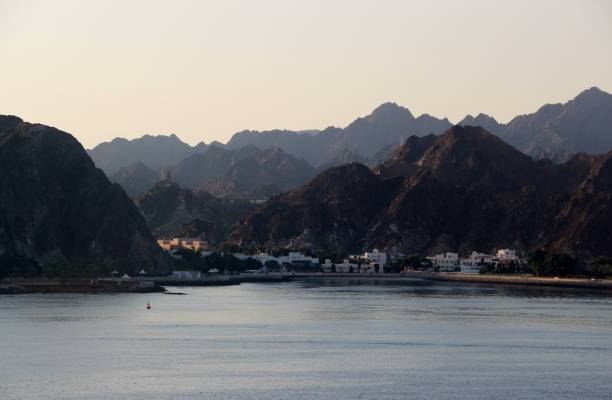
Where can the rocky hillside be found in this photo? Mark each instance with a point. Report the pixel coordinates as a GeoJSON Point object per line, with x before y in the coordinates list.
{"type": "Point", "coordinates": [245, 173]}
{"type": "Point", "coordinates": [464, 190]}
{"type": "Point", "coordinates": [57, 207]}
{"type": "Point", "coordinates": [172, 211]}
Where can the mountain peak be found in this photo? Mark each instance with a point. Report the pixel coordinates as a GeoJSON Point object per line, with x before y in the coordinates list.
{"type": "Point", "coordinates": [390, 109]}
{"type": "Point", "coordinates": [593, 94]}
{"type": "Point", "coordinates": [9, 122]}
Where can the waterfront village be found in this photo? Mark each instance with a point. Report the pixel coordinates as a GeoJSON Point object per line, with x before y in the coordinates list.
{"type": "Point", "coordinates": [370, 262]}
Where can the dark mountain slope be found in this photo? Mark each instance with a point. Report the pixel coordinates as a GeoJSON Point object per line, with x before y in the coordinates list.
{"type": "Point", "coordinates": [56, 207]}
{"type": "Point", "coordinates": [329, 212]}
{"type": "Point", "coordinates": [172, 211]}
{"type": "Point", "coordinates": [464, 190]}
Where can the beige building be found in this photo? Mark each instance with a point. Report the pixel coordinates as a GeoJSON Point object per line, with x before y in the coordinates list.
{"type": "Point", "coordinates": [194, 244]}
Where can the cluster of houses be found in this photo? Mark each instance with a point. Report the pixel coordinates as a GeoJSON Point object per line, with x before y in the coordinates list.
{"type": "Point", "coordinates": [370, 262]}
{"type": "Point", "coordinates": [293, 258]}
{"type": "Point", "coordinates": [449, 262]}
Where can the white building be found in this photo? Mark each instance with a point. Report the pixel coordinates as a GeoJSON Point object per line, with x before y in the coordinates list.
{"type": "Point", "coordinates": [474, 261]}
{"type": "Point", "coordinates": [445, 261]}
{"type": "Point", "coordinates": [376, 257]}
{"type": "Point", "coordinates": [186, 274]}
{"type": "Point", "coordinates": [346, 267]}
{"type": "Point", "coordinates": [263, 258]}
{"type": "Point", "coordinates": [507, 255]}
{"type": "Point", "coordinates": [297, 258]}
{"type": "Point", "coordinates": [327, 265]}
{"type": "Point", "coordinates": [369, 260]}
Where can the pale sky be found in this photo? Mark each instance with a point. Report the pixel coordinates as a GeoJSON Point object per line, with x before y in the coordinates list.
{"type": "Point", "coordinates": [207, 69]}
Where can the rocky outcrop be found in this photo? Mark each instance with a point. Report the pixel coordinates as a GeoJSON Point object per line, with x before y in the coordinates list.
{"type": "Point", "coordinates": [57, 207]}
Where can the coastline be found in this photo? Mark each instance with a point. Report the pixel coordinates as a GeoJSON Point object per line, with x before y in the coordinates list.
{"type": "Point", "coordinates": [156, 284]}
{"type": "Point", "coordinates": [510, 280]}
{"type": "Point", "coordinates": [77, 286]}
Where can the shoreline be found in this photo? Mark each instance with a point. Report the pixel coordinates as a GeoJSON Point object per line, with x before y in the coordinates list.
{"type": "Point", "coordinates": [76, 286]}
{"type": "Point", "coordinates": [509, 280]}
{"type": "Point", "coordinates": [157, 284]}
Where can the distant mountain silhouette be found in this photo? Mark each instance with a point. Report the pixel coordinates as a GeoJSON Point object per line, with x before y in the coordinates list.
{"type": "Point", "coordinates": [136, 178]}
{"type": "Point", "coordinates": [247, 173]}
{"type": "Point", "coordinates": [463, 190]}
{"type": "Point", "coordinates": [260, 173]}
{"type": "Point", "coordinates": [557, 131]}
{"type": "Point", "coordinates": [386, 125]}
{"type": "Point", "coordinates": [56, 207]}
{"type": "Point", "coordinates": [583, 124]}
{"type": "Point", "coordinates": [154, 151]}
{"type": "Point", "coordinates": [487, 122]}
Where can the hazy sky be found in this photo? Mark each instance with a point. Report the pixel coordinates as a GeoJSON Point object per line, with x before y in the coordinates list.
{"type": "Point", "coordinates": [206, 69]}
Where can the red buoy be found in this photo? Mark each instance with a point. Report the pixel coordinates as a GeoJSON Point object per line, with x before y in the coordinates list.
{"type": "Point", "coordinates": [148, 305]}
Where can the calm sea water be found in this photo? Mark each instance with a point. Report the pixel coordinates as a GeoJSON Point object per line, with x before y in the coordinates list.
{"type": "Point", "coordinates": [309, 340]}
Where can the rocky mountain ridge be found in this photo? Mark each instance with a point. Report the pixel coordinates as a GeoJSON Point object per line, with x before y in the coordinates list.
{"type": "Point", "coordinates": [461, 191]}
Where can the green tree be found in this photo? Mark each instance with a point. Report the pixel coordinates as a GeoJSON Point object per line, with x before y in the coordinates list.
{"type": "Point", "coordinates": [272, 265]}
{"type": "Point", "coordinates": [600, 267]}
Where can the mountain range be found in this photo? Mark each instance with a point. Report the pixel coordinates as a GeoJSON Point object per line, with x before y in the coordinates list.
{"type": "Point", "coordinates": [556, 131]}
{"type": "Point", "coordinates": [460, 191]}
{"type": "Point", "coordinates": [56, 207]}
{"type": "Point", "coordinates": [247, 173]}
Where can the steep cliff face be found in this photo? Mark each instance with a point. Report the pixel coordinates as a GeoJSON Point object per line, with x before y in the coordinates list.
{"type": "Point", "coordinates": [464, 190]}
{"type": "Point", "coordinates": [57, 207]}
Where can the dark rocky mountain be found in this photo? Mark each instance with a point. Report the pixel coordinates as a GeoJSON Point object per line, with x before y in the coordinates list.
{"type": "Point", "coordinates": [244, 173]}
{"type": "Point", "coordinates": [57, 207]}
{"type": "Point", "coordinates": [172, 211]}
{"type": "Point", "coordinates": [153, 151]}
{"type": "Point", "coordinates": [464, 190]}
{"type": "Point", "coordinates": [136, 178]}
